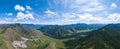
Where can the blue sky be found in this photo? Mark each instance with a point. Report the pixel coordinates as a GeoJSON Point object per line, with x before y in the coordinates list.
{"type": "Point", "coordinates": [59, 11]}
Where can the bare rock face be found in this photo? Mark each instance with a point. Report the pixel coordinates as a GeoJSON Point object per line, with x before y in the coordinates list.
{"type": "Point", "coordinates": [16, 36]}
{"type": "Point", "coordinates": [22, 42]}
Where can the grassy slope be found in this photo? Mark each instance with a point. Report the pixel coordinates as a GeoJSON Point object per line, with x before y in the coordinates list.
{"type": "Point", "coordinates": [8, 35]}
{"type": "Point", "coordinates": [107, 37]}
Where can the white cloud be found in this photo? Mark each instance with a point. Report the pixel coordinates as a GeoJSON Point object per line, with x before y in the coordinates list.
{"type": "Point", "coordinates": [9, 14]}
{"type": "Point", "coordinates": [19, 8]}
{"type": "Point", "coordinates": [81, 11]}
{"type": "Point", "coordinates": [8, 18]}
{"type": "Point", "coordinates": [69, 18]}
{"type": "Point", "coordinates": [49, 13]}
{"type": "Point", "coordinates": [112, 16]}
{"type": "Point", "coordinates": [3, 22]}
{"type": "Point", "coordinates": [28, 7]}
{"type": "Point", "coordinates": [115, 17]}
{"type": "Point", "coordinates": [81, 5]}
{"type": "Point", "coordinates": [72, 18]}
{"type": "Point", "coordinates": [113, 6]}
{"type": "Point", "coordinates": [27, 11]}
{"type": "Point", "coordinates": [22, 16]}
{"type": "Point", "coordinates": [88, 5]}
{"type": "Point", "coordinates": [68, 15]}
{"type": "Point", "coordinates": [89, 18]}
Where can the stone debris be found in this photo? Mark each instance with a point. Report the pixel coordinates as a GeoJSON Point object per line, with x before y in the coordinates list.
{"type": "Point", "coordinates": [22, 43]}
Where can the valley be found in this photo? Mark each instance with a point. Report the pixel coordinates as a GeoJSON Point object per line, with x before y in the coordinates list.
{"type": "Point", "coordinates": [59, 24]}
{"type": "Point", "coordinates": [17, 36]}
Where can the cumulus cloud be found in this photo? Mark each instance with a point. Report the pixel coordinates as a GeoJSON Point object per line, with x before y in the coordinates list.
{"type": "Point", "coordinates": [81, 18]}
{"type": "Point", "coordinates": [115, 17]}
{"type": "Point", "coordinates": [84, 11]}
{"type": "Point", "coordinates": [9, 14]}
{"type": "Point", "coordinates": [87, 17]}
{"type": "Point", "coordinates": [27, 11]}
{"type": "Point", "coordinates": [22, 16]}
{"type": "Point", "coordinates": [71, 11]}
{"type": "Point", "coordinates": [90, 18]}
{"type": "Point", "coordinates": [113, 6]}
{"type": "Point", "coordinates": [19, 8]}
{"type": "Point", "coordinates": [49, 13]}
{"type": "Point", "coordinates": [3, 22]}
{"type": "Point", "coordinates": [28, 7]}
{"type": "Point", "coordinates": [8, 18]}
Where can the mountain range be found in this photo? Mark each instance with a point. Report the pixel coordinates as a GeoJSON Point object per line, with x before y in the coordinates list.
{"type": "Point", "coordinates": [16, 36]}
{"type": "Point", "coordinates": [74, 36]}
{"type": "Point", "coordinates": [66, 31]}
{"type": "Point", "coordinates": [107, 37]}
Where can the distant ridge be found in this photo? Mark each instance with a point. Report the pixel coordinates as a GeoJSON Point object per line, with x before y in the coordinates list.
{"type": "Point", "coordinates": [63, 31]}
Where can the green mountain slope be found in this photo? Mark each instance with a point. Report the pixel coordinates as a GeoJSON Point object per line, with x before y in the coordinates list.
{"type": "Point", "coordinates": [13, 36]}
{"type": "Point", "coordinates": [107, 37]}
{"type": "Point", "coordinates": [67, 31]}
